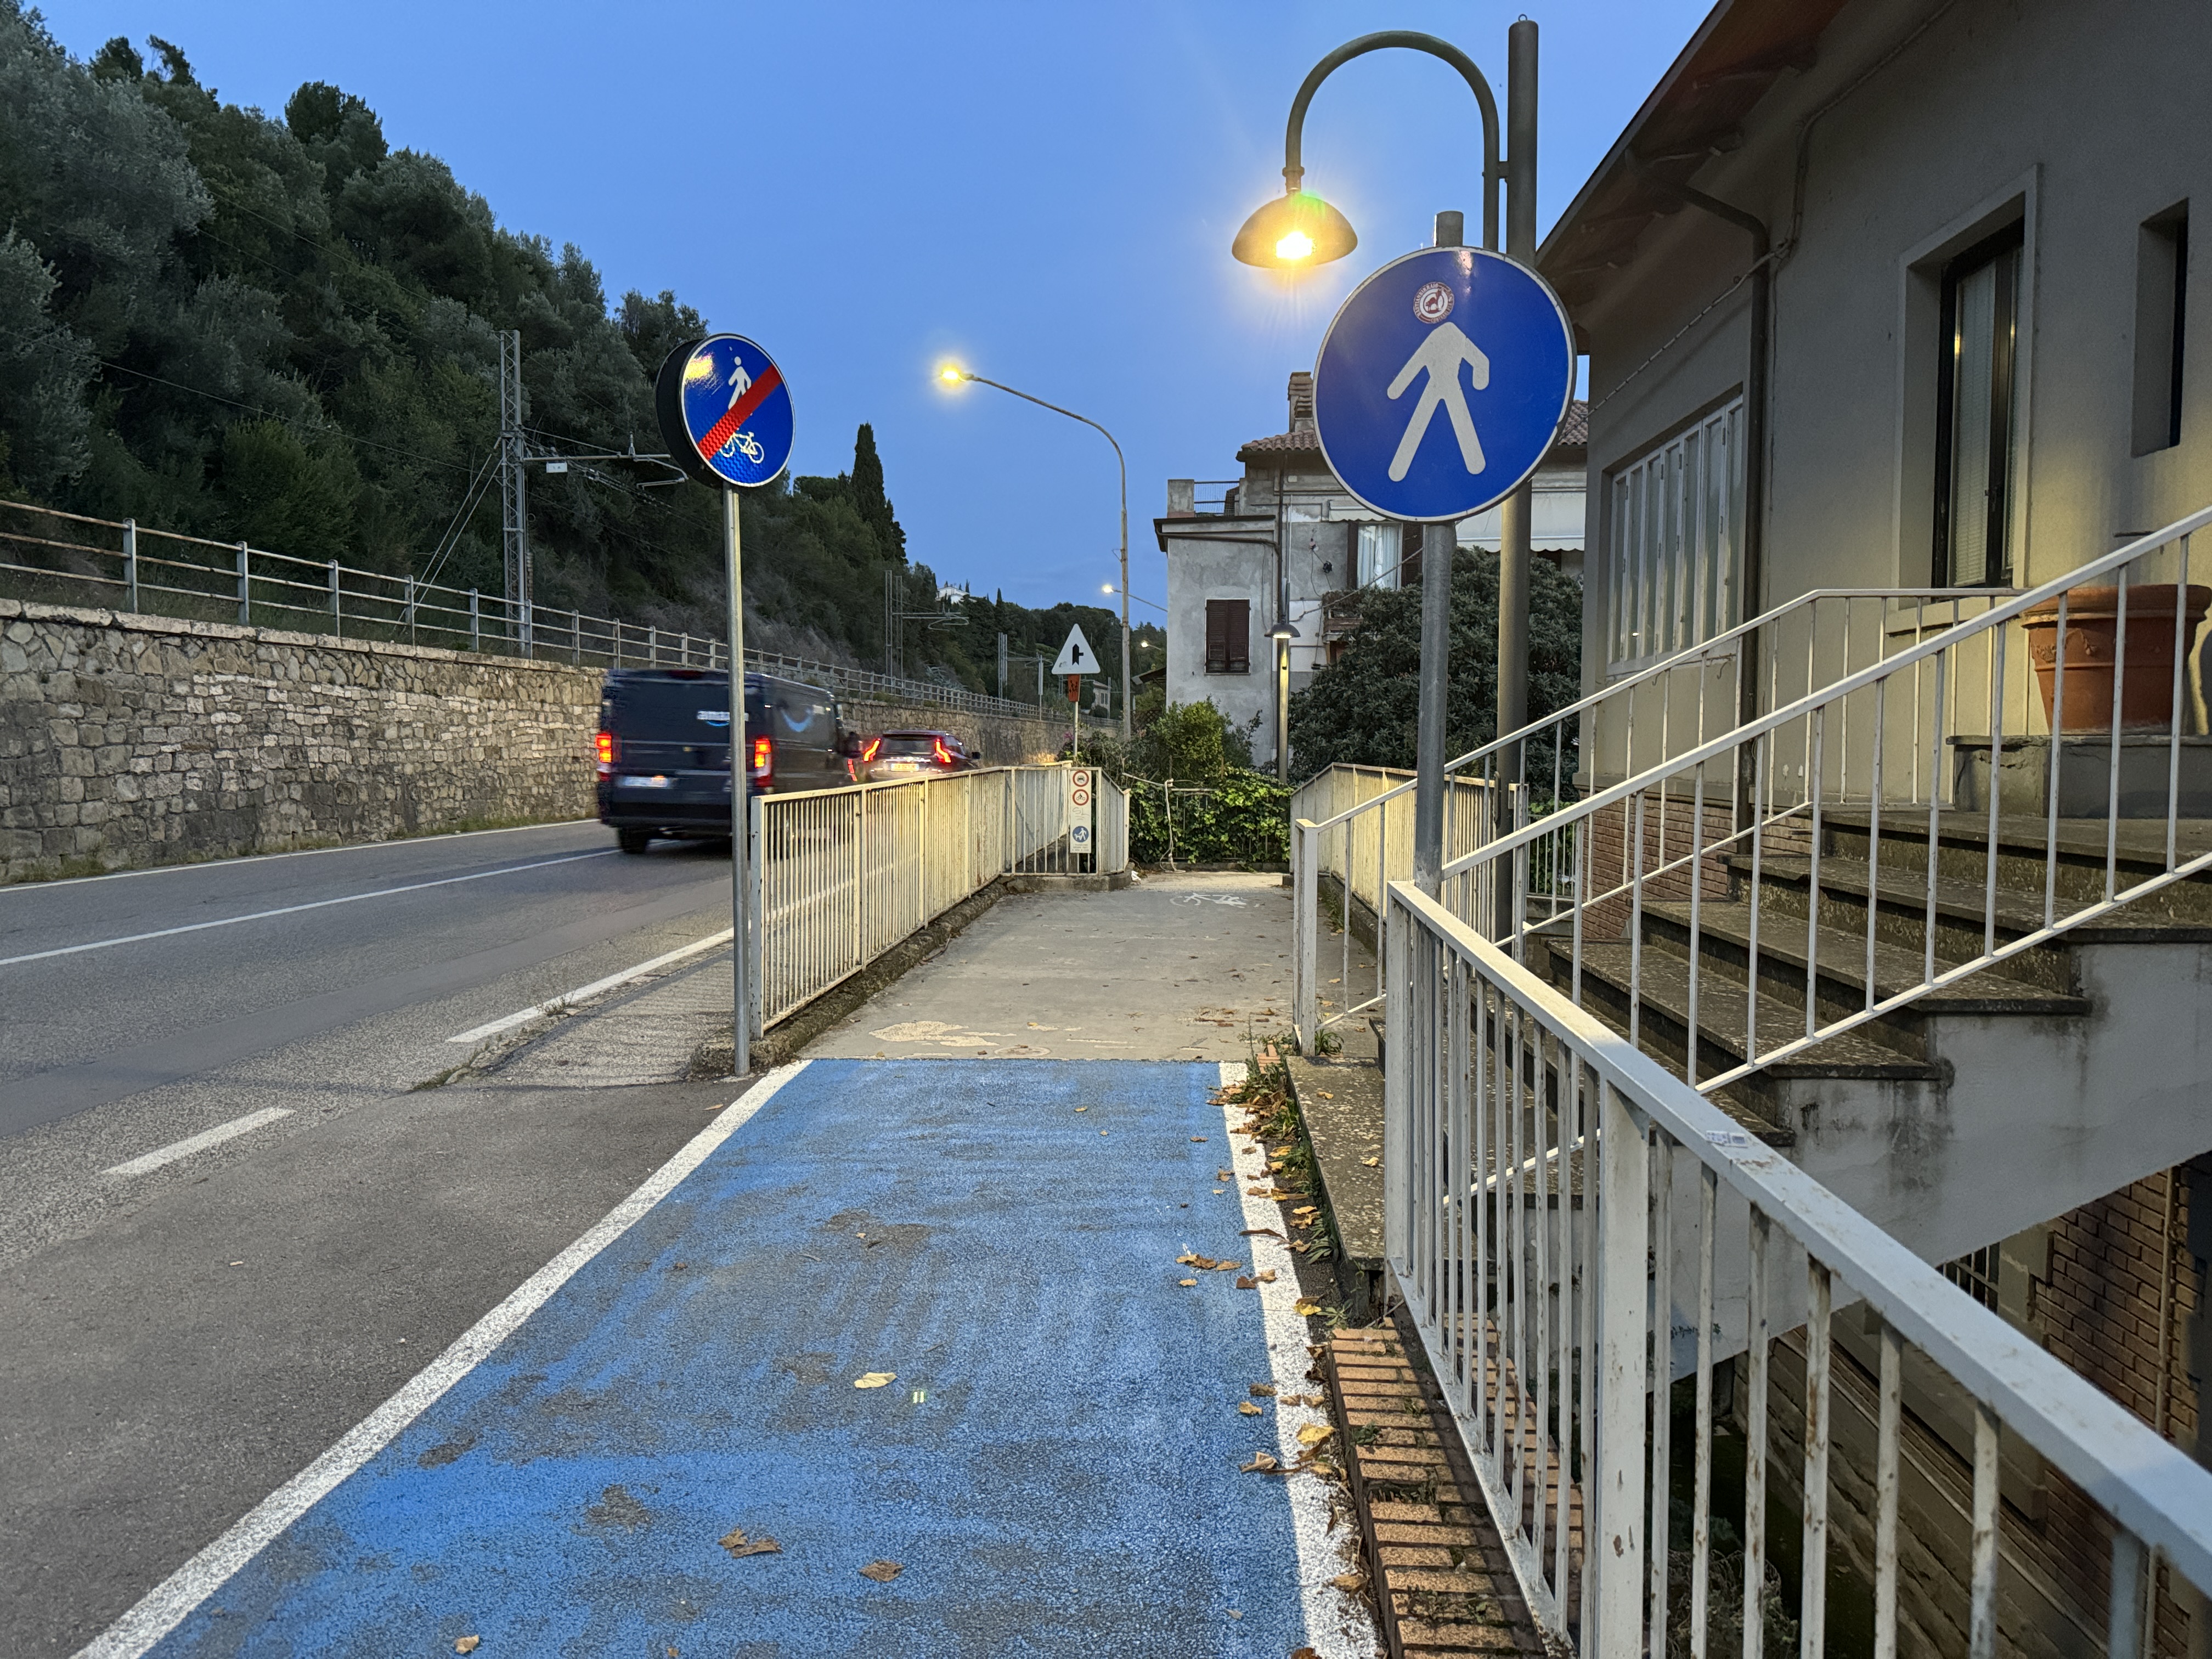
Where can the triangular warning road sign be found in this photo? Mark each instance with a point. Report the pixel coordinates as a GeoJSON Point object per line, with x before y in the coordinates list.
{"type": "Point", "coordinates": [1076, 657]}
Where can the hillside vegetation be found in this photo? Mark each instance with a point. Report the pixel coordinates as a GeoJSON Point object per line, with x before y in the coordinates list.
{"type": "Point", "coordinates": [281, 328]}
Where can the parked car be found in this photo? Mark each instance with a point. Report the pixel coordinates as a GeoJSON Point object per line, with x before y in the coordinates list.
{"type": "Point", "coordinates": [914, 753]}
{"type": "Point", "coordinates": [663, 748]}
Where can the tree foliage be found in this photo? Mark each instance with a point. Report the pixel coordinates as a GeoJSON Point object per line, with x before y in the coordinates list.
{"type": "Point", "coordinates": [286, 331]}
{"type": "Point", "coordinates": [1364, 708]}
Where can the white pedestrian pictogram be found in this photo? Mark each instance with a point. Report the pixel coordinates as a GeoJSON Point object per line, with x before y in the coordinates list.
{"type": "Point", "coordinates": [1440, 356]}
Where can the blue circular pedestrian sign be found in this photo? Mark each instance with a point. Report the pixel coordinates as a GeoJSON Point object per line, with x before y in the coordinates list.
{"type": "Point", "coordinates": [725, 412]}
{"type": "Point", "coordinates": [1442, 383]}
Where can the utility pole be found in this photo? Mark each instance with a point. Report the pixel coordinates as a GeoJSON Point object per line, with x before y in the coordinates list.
{"type": "Point", "coordinates": [1002, 668]}
{"type": "Point", "coordinates": [513, 470]}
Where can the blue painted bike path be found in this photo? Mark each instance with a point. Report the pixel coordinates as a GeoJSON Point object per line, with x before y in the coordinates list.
{"type": "Point", "coordinates": [1056, 1467]}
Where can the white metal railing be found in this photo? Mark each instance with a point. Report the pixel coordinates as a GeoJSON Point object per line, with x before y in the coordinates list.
{"type": "Point", "coordinates": [1895, 830]}
{"type": "Point", "coordinates": [841, 875]}
{"type": "Point", "coordinates": [1548, 1185]}
{"type": "Point", "coordinates": [216, 581]}
{"type": "Point", "coordinates": [1633, 725]}
{"type": "Point", "coordinates": [1354, 824]}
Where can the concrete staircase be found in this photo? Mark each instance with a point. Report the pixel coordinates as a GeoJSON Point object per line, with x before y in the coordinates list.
{"type": "Point", "coordinates": [1990, 1105]}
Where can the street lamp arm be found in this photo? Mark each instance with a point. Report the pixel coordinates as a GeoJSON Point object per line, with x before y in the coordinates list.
{"type": "Point", "coordinates": [1141, 599]}
{"type": "Point", "coordinates": [1122, 461]}
{"type": "Point", "coordinates": [1493, 166]}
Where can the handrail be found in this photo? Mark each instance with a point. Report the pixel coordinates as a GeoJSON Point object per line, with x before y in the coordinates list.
{"type": "Point", "coordinates": [1488, 1061]}
{"type": "Point", "coordinates": [1612, 688]}
{"type": "Point", "coordinates": [1773, 720]}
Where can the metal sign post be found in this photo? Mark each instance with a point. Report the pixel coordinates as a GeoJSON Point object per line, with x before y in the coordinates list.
{"type": "Point", "coordinates": [726, 416]}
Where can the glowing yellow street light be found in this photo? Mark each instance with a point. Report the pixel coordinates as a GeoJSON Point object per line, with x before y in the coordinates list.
{"type": "Point", "coordinates": [1294, 229]}
{"type": "Point", "coordinates": [953, 375]}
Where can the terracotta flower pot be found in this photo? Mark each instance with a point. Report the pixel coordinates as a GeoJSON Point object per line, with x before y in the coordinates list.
{"type": "Point", "coordinates": [2091, 645]}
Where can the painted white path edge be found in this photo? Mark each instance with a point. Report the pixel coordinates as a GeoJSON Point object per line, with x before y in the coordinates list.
{"type": "Point", "coordinates": [198, 1143]}
{"type": "Point", "coordinates": [584, 993]}
{"type": "Point", "coordinates": [1337, 1624]}
{"type": "Point", "coordinates": [168, 1604]}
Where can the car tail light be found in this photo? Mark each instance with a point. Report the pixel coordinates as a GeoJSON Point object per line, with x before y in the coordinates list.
{"type": "Point", "coordinates": [944, 755]}
{"type": "Point", "coordinates": [609, 751]}
{"type": "Point", "coordinates": [869, 753]}
{"type": "Point", "coordinates": [765, 760]}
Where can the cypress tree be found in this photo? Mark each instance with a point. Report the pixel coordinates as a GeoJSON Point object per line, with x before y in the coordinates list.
{"type": "Point", "coordinates": [868, 497]}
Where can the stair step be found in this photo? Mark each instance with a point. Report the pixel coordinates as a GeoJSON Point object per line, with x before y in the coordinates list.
{"type": "Point", "coordinates": [1741, 1108]}
{"type": "Point", "coordinates": [1843, 957]}
{"type": "Point", "coordinates": [1722, 1004]}
{"type": "Point", "coordinates": [2017, 911]}
{"type": "Point", "coordinates": [2140, 843]}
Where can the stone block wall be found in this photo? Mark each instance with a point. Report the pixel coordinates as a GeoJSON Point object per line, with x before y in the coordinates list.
{"type": "Point", "coordinates": [130, 740]}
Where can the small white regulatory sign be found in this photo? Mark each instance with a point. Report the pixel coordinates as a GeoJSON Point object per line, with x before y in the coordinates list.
{"type": "Point", "coordinates": [1080, 786]}
{"type": "Point", "coordinates": [1076, 657]}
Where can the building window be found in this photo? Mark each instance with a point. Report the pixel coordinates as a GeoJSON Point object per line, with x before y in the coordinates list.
{"type": "Point", "coordinates": [1675, 567]}
{"type": "Point", "coordinates": [1229, 636]}
{"type": "Point", "coordinates": [1977, 437]}
{"type": "Point", "coordinates": [1377, 555]}
{"type": "Point", "coordinates": [1976, 1273]}
{"type": "Point", "coordinates": [2161, 292]}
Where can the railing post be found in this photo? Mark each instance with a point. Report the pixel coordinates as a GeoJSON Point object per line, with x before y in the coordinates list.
{"type": "Point", "coordinates": [1305, 923]}
{"type": "Point", "coordinates": [576, 638]}
{"type": "Point", "coordinates": [131, 563]}
{"type": "Point", "coordinates": [1623, 1263]}
{"type": "Point", "coordinates": [1397, 1060]}
{"type": "Point", "coordinates": [337, 607]}
{"type": "Point", "coordinates": [409, 590]}
{"type": "Point", "coordinates": [245, 609]}
{"type": "Point", "coordinates": [652, 647]}
{"type": "Point", "coordinates": [475, 623]}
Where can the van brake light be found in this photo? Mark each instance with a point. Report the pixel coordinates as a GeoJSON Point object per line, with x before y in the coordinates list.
{"type": "Point", "coordinates": [608, 749]}
{"type": "Point", "coordinates": [763, 757]}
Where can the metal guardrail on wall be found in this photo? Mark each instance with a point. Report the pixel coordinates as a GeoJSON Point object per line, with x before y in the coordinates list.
{"type": "Point", "coordinates": [841, 875]}
{"type": "Point", "coordinates": [1548, 1186]}
{"type": "Point", "coordinates": [252, 586]}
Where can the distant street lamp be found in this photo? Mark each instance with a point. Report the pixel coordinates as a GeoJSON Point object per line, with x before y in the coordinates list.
{"type": "Point", "coordinates": [1283, 633]}
{"type": "Point", "coordinates": [1298, 229]}
{"type": "Point", "coordinates": [1109, 588]}
{"type": "Point", "coordinates": [953, 374]}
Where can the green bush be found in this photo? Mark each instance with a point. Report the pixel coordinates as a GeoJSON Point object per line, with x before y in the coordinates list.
{"type": "Point", "coordinates": [1223, 813]}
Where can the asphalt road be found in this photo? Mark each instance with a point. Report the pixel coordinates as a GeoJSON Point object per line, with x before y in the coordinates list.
{"type": "Point", "coordinates": [183, 1339]}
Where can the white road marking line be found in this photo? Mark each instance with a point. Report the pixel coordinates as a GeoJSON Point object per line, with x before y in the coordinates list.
{"type": "Point", "coordinates": [200, 1142]}
{"type": "Point", "coordinates": [169, 1603]}
{"type": "Point", "coordinates": [582, 992]}
{"type": "Point", "coordinates": [1337, 1624]}
{"type": "Point", "coordinates": [293, 910]}
{"type": "Point", "coordinates": [304, 853]}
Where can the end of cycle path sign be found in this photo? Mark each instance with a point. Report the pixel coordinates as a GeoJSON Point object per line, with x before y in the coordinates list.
{"type": "Point", "coordinates": [725, 412]}
{"type": "Point", "coordinates": [1442, 383]}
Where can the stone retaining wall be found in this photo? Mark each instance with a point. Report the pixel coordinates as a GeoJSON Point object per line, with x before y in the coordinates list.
{"type": "Point", "coordinates": [128, 741]}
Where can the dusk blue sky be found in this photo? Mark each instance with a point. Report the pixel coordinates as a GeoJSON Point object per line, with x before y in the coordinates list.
{"type": "Point", "coordinates": [1045, 192]}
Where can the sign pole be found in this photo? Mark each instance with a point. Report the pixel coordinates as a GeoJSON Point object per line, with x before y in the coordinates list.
{"type": "Point", "coordinates": [1439, 541]}
{"type": "Point", "coordinates": [1519, 507]}
{"type": "Point", "coordinates": [741, 790]}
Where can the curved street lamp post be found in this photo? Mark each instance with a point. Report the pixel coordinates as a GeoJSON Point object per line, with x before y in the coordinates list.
{"type": "Point", "coordinates": [953, 375]}
{"type": "Point", "coordinates": [1299, 228]}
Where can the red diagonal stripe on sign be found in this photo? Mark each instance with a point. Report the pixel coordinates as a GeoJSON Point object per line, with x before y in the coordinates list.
{"type": "Point", "coordinates": [740, 411]}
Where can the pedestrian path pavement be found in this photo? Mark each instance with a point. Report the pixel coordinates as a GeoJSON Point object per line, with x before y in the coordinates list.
{"type": "Point", "coordinates": [897, 1359]}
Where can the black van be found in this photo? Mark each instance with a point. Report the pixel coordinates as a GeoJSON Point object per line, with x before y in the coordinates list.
{"type": "Point", "coordinates": [664, 749]}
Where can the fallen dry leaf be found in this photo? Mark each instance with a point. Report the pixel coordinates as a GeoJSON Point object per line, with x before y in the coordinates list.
{"type": "Point", "coordinates": [1247, 1283]}
{"type": "Point", "coordinates": [1200, 1139]}
{"type": "Point", "coordinates": [1261, 1464]}
{"type": "Point", "coordinates": [739, 1546]}
{"type": "Point", "coordinates": [1248, 1409]}
{"type": "Point", "coordinates": [875, 1379]}
{"type": "Point", "coordinates": [1262, 1232]}
{"type": "Point", "coordinates": [881, 1571]}
{"type": "Point", "coordinates": [1306, 1209]}
{"type": "Point", "coordinates": [1261, 1390]}
{"type": "Point", "coordinates": [1079, 1109]}
{"type": "Point", "coordinates": [1314, 1433]}
{"type": "Point", "coordinates": [1185, 1282]}
{"type": "Point", "coordinates": [1370, 1163]}
{"type": "Point", "coordinates": [1347, 1581]}
{"type": "Point", "coordinates": [1307, 1653]}
{"type": "Point", "coordinates": [467, 1644]}
{"type": "Point", "coordinates": [1266, 1276]}
{"type": "Point", "coordinates": [1223, 1266]}
{"type": "Point", "coordinates": [1306, 1309]}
